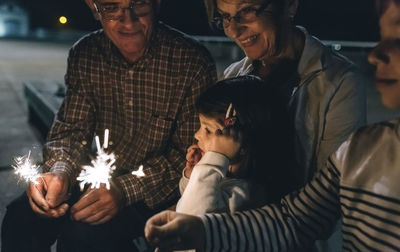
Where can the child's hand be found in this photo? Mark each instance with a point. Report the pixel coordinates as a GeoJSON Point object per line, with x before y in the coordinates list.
{"type": "Point", "coordinates": [226, 142]}
{"type": "Point", "coordinates": [193, 156]}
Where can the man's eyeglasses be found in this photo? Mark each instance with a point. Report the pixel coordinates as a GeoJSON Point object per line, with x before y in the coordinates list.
{"type": "Point", "coordinates": [113, 11]}
{"type": "Point", "coordinates": [246, 15]}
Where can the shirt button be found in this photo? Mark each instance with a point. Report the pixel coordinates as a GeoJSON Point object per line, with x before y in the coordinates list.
{"type": "Point", "coordinates": [130, 103]}
{"type": "Point", "coordinates": [130, 73]}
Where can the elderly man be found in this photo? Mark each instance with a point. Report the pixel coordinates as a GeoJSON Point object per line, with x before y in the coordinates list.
{"type": "Point", "coordinates": [138, 78]}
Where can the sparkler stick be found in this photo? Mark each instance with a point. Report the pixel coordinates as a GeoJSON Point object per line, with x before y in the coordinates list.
{"type": "Point", "coordinates": [105, 144]}
{"type": "Point", "coordinates": [101, 169]}
{"type": "Point", "coordinates": [98, 144]}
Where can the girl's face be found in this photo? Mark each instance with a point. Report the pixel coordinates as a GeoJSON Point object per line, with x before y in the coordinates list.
{"type": "Point", "coordinates": [210, 125]}
{"type": "Point", "coordinates": [258, 39]}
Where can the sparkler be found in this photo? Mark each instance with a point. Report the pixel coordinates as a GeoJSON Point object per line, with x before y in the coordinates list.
{"type": "Point", "coordinates": [101, 169]}
{"type": "Point", "coordinates": [139, 172]}
{"type": "Point", "coordinates": [26, 170]}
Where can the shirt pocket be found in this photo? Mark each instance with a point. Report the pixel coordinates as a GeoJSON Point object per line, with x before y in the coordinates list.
{"type": "Point", "coordinates": [158, 134]}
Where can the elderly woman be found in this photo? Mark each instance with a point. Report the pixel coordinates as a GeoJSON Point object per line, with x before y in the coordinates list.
{"type": "Point", "coordinates": [326, 93]}
{"type": "Point", "coordinates": [359, 185]}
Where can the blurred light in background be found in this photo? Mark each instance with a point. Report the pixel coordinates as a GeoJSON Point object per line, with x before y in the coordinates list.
{"type": "Point", "coordinates": [63, 20]}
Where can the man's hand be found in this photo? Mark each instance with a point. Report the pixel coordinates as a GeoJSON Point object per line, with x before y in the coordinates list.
{"type": "Point", "coordinates": [193, 156]}
{"type": "Point", "coordinates": [226, 142]}
{"type": "Point", "coordinates": [97, 206]}
{"type": "Point", "coordinates": [169, 230]}
{"type": "Point", "coordinates": [46, 197]}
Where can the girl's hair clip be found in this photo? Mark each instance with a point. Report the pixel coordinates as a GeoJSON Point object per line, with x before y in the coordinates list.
{"type": "Point", "coordinates": [230, 117]}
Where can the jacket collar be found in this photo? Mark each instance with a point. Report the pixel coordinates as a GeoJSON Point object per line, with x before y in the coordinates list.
{"type": "Point", "coordinates": [313, 56]}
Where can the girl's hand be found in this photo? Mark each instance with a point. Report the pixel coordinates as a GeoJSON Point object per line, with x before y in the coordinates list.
{"type": "Point", "coordinates": [193, 156]}
{"type": "Point", "coordinates": [226, 142]}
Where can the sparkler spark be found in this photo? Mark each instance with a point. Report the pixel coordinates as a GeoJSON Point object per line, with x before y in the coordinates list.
{"type": "Point", "coordinates": [139, 172]}
{"type": "Point", "coordinates": [101, 169]}
{"type": "Point", "coordinates": [26, 170]}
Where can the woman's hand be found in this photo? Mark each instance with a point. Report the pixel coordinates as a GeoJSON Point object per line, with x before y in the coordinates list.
{"type": "Point", "coordinates": [169, 230]}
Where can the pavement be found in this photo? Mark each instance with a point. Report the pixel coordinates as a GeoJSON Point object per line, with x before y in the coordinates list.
{"type": "Point", "coordinates": [22, 61]}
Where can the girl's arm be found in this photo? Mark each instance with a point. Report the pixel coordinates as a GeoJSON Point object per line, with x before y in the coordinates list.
{"type": "Point", "coordinates": [193, 156]}
{"type": "Point", "coordinates": [203, 193]}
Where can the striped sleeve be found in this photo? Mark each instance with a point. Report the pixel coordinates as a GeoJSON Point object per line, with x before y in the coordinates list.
{"type": "Point", "coordinates": [370, 221]}
{"type": "Point", "coordinates": [298, 220]}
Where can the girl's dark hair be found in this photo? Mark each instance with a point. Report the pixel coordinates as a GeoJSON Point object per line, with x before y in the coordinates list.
{"type": "Point", "coordinates": [382, 5]}
{"type": "Point", "coordinates": [265, 126]}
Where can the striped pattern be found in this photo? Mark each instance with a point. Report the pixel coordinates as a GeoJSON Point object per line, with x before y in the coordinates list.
{"type": "Point", "coordinates": [349, 187]}
{"type": "Point", "coordinates": [368, 216]}
{"type": "Point", "coordinates": [301, 218]}
{"type": "Point", "coordinates": [148, 107]}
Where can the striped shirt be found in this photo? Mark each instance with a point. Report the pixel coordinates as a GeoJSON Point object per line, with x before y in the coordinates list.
{"type": "Point", "coordinates": [359, 184]}
{"type": "Point", "coordinates": [148, 106]}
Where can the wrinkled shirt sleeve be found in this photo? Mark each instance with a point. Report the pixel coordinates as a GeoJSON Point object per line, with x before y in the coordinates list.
{"type": "Point", "coordinates": [67, 142]}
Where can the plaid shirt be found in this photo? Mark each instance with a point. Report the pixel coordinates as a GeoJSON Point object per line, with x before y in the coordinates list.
{"type": "Point", "coordinates": [148, 107]}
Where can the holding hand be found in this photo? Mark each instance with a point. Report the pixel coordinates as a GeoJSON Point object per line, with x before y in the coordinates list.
{"type": "Point", "coordinates": [97, 206]}
{"type": "Point", "coordinates": [46, 197]}
{"type": "Point", "coordinates": [193, 156]}
{"type": "Point", "coordinates": [169, 230]}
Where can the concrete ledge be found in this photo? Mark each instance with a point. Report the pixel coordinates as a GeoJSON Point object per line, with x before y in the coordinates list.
{"type": "Point", "coordinates": [44, 100]}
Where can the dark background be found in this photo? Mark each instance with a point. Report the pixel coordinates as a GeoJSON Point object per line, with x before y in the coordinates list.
{"type": "Point", "coordinates": [353, 20]}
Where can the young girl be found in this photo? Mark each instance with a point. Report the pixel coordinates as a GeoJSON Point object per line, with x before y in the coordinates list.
{"type": "Point", "coordinates": [262, 171]}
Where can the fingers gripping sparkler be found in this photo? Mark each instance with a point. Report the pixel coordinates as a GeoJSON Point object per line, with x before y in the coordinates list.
{"type": "Point", "coordinates": [101, 169]}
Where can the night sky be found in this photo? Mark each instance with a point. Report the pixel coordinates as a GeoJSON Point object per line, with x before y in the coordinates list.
{"type": "Point", "coordinates": [328, 19]}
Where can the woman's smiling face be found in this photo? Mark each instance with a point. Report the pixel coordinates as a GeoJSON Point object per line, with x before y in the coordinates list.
{"type": "Point", "coordinates": [259, 38]}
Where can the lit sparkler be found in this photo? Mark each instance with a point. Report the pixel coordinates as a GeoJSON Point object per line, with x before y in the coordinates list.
{"type": "Point", "coordinates": [101, 169]}
{"type": "Point", "coordinates": [139, 172]}
{"type": "Point", "coordinates": [26, 170]}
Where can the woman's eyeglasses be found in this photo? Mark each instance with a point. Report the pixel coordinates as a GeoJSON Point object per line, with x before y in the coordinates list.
{"type": "Point", "coordinates": [246, 15]}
